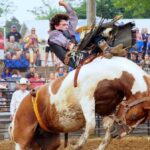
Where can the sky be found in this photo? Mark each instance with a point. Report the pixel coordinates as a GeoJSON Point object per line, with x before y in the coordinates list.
{"type": "Point", "coordinates": [23, 5]}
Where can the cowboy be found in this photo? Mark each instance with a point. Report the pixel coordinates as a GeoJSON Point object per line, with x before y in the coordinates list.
{"type": "Point", "coordinates": [18, 96]}
{"type": "Point", "coordinates": [62, 38]}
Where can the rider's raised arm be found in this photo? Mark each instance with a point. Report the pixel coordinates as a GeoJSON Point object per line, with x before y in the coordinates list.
{"type": "Point", "coordinates": [73, 19]}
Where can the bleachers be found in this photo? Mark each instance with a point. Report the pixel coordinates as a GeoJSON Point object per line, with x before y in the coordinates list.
{"type": "Point", "coordinates": [4, 124]}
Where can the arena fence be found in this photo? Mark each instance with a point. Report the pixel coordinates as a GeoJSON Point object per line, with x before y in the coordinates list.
{"type": "Point", "coordinates": [143, 129]}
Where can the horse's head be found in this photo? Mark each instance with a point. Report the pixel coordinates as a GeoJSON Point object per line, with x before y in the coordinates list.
{"type": "Point", "coordinates": [129, 116]}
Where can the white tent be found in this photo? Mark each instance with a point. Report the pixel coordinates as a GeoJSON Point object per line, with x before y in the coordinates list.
{"type": "Point", "coordinates": [42, 26]}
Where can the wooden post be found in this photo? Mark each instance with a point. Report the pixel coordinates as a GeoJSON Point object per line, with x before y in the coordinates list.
{"type": "Point", "coordinates": [91, 11]}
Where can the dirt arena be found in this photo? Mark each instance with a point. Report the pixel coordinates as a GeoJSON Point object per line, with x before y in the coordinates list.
{"type": "Point", "coordinates": [128, 143]}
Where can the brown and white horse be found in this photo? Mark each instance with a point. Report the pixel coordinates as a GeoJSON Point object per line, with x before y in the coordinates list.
{"type": "Point", "coordinates": [61, 107]}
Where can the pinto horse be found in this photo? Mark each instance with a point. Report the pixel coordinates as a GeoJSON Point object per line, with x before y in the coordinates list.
{"type": "Point", "coordinates": [59, 107]}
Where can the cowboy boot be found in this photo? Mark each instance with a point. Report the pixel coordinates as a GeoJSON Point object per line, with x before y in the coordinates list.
{"type": "Point", "coordinates": [105, 48]}
{"type": "Point", "coordinates": [118, 50]}
{"type": "Point", "coordinates": [111, 51]}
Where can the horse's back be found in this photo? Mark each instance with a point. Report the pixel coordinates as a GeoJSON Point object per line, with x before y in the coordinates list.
{"type": "Point", "coordinates": [103, 68]}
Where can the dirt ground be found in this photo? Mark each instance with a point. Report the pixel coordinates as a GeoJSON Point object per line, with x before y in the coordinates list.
{"type": "Point", "coordinates": [127, 143]}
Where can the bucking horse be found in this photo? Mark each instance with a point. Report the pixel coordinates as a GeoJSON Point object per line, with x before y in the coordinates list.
{"type": "Point", "coordinates": [60, 107]}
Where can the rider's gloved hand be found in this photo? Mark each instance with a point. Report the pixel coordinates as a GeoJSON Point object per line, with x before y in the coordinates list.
{"type": "Point", "coordinates": [62, 3]}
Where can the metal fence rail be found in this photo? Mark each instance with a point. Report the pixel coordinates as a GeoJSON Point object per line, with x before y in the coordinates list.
{"type": "Point", "coordinates": [143, 129]}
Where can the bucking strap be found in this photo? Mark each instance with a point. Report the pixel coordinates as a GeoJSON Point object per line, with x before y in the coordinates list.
{"type": "Point", "coordinates": [85, 61]}
{"type": "Point", "coordinates": [37, 114]}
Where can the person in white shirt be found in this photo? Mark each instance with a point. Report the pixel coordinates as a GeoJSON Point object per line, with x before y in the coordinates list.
{"type": "Point", "coordinates": [18, 96]}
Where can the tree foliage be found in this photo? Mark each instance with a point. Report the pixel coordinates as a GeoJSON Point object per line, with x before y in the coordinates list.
{"type": "Point", "coordinates": [12, 21]}
{"type": "Point", "coordinates": [81, 10]}
{"type": "Point", "coordinates": [134, 8]}
{"type": "Point", "coordinates": [45, 11]}
{"type": "Point", "coordinates": [104, 8]}
{"type": "Point", "coordinates": [6, 7]}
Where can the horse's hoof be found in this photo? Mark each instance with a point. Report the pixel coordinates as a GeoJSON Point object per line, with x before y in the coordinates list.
{"type": "Point", "coordinates": [70, 147]}
{"type": "Point", "coordinates": [76, 147]}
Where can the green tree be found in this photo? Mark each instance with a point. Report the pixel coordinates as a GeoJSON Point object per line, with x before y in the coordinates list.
{"type": "Point", "coordinates": [12, 21]}
{"type": "Point", "coordinates": [81, 10]}
{"type": "Point", "coordinates": [6, 7]}
{"type": "Point", "coordinates": [45, 11]}
{"type": "Point", "coordinates": [134, 8]}
{"type": "Point", "coordinates": [106, 9]}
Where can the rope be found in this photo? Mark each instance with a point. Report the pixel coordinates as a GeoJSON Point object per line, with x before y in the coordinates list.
{"type": "Point", "coordinates": [37, 114]}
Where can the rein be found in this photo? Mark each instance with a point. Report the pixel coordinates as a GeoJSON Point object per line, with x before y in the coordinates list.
{"type": "Point", "coordinates": [127, 106]}
{"type": "Point", "coordinates": [37, 114]}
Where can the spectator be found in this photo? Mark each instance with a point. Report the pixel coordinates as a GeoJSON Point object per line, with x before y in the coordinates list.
{"type": "Point", "coordinates": [12, 48]}
{"type": "Point", "coordinates": [18, 96]}
{"type": "Point", "coordinates": [1, 45]}
{"type": "Point", "coordinates": [52, 77]}
{"type": "Point", "coordinates": [140, 59]}
{"type": "Point", "coordinates": [146, 63]}
{"type": "Point", "coordinates": [148, 45]}
{"type": "Point", "coordinates": [134, 56]}
{"type": "Point", "coordinates": [31, 72]}
{"type": "Point", "coordinates": [14, 33]}
{"type": "Point", "coordinates": [47, 51]}
{"type": "Point", "coordinates": [3, 83]}
{"type": "Point", "coordinates": [138, 34]}
{"type": "Point", "coordinates": [32, 46]}
{"type": "Point", "coordinates": [1, 41]}
{"type": "Point", "coordinates": [12, 81]}
{"type": "Point", "coordinates": [61, 72]}
{"type": "Point", "coordinates": [36, 81]}
{"type": "Point", "coordinates": [16, 73]}
{"type": "Point", "coordinates": [139, 41]}
{"type": "Point", "coordinates": [6, 73]}
{"type": "Point", "coordinates": [145, 39]}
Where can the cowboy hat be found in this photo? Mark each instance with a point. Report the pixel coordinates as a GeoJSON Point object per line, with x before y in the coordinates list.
{"type": "Point", "coordinates": [23, 81]}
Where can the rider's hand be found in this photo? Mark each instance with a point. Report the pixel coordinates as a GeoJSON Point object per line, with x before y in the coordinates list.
{"type": "Point", "coordinates": [62, 3]}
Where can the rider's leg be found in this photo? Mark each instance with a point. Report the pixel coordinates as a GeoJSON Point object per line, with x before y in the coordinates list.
{"type": "Point", "coordinates": [111, 51]}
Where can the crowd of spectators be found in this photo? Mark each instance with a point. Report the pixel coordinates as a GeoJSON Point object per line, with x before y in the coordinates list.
{"type": "Point", "coordinates": [15, 47]}
{"type": "Point", "coordinates": [140, 53]}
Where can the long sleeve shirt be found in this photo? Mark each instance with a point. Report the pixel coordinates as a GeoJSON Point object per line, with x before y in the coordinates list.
{"type": "Point", "coordinates": [57, 37]}
{"type": "Point", "coordinates": [17, 97]}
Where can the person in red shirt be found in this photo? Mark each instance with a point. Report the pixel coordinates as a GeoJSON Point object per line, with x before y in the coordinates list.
{"type": "Point", "coordinates": [36, 81]}
{"type": "Point", "coordinates": [1, 41]}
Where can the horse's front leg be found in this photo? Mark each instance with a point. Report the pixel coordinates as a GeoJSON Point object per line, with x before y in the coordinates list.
{"type": "Point", "coordinates": [88, 107]}
{"type": "Point", "coordinates": [107, 124]}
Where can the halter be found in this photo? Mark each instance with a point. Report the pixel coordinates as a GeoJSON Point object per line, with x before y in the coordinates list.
{"type": "Point", "coordinates": [126, 107]}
